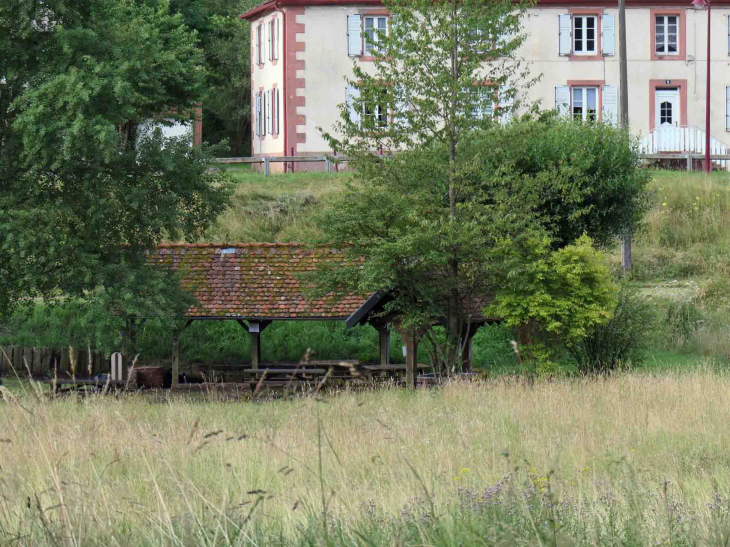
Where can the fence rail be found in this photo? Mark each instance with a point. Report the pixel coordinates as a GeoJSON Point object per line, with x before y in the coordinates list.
{"type": "Point", "coordinates": [335, 160]}
{"type": "Point", "coordinates": [328, 160]}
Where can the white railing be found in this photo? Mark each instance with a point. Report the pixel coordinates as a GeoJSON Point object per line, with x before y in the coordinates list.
{"type": "Point", "coordinates": [677, 139]}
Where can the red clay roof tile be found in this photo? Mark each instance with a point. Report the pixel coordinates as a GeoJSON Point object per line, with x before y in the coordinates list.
{"type": "Point", "coordinates": [254, 279]}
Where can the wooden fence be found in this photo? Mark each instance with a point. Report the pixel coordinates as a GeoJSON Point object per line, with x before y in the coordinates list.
{"type": "Point", "coordinates": [45, 363]}
{"type": "Point", "coordinates": [329, 161]}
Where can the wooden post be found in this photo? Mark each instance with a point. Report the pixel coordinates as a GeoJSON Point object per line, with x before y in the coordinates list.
{"type": "Point", "coordinates": [255, 328]}
{"type": "Point", "coordinates": [411, 341]}
{"type": "Point", "coordinates": [175, 360]}
{"type": "Point", "coordinates": [255, 345]}
{"type": "Point", "coordinates": [626, 253]}
{"type": "Point", "coordinates": [383, 342]}
{"type": "Point", "coordinates": [466, 346]}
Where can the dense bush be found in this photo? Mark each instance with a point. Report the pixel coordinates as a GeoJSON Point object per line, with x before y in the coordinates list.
{"type": "Point", "coordinates": [624, 339]}
{"type": "Point", "coordinates": [583, 178]}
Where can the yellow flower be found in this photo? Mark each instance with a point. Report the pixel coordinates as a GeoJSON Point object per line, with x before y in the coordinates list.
{"type": "Point", "coordinates": [457, 478]}
{"type": "Point", "coordinates": [664, 204]}
{"type": "Point", "coordinates": [586, 469]}
{"type": "Point", "coordinates": [464, 470]}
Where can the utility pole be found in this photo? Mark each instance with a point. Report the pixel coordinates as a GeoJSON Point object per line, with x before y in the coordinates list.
{"type": "Point", "coordinates": [624, 114]}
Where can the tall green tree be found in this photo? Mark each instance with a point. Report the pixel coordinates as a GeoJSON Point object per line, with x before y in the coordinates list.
{"type": "Point", "coordinates": [225, 41]}
{"type": "Point", "coordinates": [445, 229]}
{"type": "Point", "coordinates": [439, 69]}
{"type": "Point", "coordinates": [82, 194]}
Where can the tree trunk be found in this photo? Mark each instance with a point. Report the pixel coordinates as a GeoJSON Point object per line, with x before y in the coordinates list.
{"type": "Point", "coordinates": [453, 330]}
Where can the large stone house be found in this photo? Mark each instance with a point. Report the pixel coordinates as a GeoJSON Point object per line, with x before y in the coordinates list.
{"type": "Point", "coordinates": [303, 49]}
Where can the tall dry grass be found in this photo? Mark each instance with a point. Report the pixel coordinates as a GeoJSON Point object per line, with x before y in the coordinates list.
{"type": "Point", "coordinates": [275, 208]}
{"type": "Point", "coordinates": [687, 230]}
{"type": "Point", "coordinates": [131, 471]}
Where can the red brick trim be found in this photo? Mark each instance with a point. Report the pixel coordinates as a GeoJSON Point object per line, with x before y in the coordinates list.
{"type": "Point", "coordinates": [588, 83]}
{"type": "Point", "coordinates": [588, 11]}
{"type": "Point", "coordinates": [292, 83]}
{"type": "Point", "coordinates": [681, 38]}
{"type": "Point", "coordinates": [662, 84]}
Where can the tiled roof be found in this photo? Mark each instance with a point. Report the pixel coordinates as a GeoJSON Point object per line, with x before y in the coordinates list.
{"type": "Point", "coordinates": [254, 280]}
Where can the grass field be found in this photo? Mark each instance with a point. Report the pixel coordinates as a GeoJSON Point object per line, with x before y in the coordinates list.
{"type": "Point", "coordinates": [635, 459]}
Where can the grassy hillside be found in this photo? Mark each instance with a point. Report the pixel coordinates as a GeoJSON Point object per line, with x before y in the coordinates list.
{"type": "Point", "coordinates": [681, 261]}
{"type": "Point", "coordinates": [275, 208]}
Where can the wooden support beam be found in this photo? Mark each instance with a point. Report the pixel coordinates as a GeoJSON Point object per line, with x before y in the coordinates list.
{"type": "Point", "coordinates": [255, 328]}
{"type": "Point", "coordinates": [411, 340]}
{"type": "Point", "coordinates": [255, 349]}
{"type": "Point", "coordinates": [175, 361]}
{"type": "Point", "coordinates": [383, 342]}
{"type": "Point", "coordinates": [466, 338]}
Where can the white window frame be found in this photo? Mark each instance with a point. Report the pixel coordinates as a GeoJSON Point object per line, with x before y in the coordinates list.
{"type": "Point", "coordinates": [665, 29]}
{"type": "Point", "coordinates": [485, 109]}
{"type": "Point", "coordinates": [375, 19]}
{"type": "Point", "coordinates": [583, 39]}
{"type": "Point", "coordinates": [275, 34]}
{"type": "Point", "coordinates": [584, 101]}
{"type": "Point", "coordinates": [258, 44]}
{"type": "Point", "coordinates": [276, 110]}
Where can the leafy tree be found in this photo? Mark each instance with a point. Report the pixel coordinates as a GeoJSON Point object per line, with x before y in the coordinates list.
{"type": "Point", "coordinates": [441, 65]}
{"type": "Point", "coordinates": [82, 195]}
{"type": "Point", "coordinates": [563, 296]}
{"type": "Point", "coordinates": [225, 41]}
{"type": "Point", "coordinates": [581, 177]}
{"type": "Point", "coordinates": [624, 339]}
{"type": "Point", "coordinates": [444, 227]}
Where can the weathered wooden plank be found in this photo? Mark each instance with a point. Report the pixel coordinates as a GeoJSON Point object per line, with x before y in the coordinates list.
{"type": "Point", "coordinates": [47, 361]}
{"type": "Point", "coordinates": [38, 363]}
{"type": "Point", "coordinates": [18, 360]}
{"type": "Point", "coordinates": [64, 365]}
{"type": "Point", "coordinates": [28, 360]}
{"type": "Point", "coordinates": [6, 359]}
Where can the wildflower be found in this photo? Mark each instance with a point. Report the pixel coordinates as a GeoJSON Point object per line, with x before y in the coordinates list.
{"type": "Point", "coordinates": [464, 470]}
{"type": "Point", "coordinates": [664, 204]}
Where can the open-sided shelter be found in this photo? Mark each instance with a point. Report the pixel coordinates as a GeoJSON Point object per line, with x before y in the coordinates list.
{"type": "Point", "coordinates": [255, 284]}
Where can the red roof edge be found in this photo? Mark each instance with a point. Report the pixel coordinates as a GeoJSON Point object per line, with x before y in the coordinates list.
{"type": "Point", "coordinates": [256, 10]}
{"type": "Point", "coordinates": [272, 4]}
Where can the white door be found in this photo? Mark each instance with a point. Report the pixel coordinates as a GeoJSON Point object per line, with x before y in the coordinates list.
{"type": "Point", "coordinates": [668, 134]}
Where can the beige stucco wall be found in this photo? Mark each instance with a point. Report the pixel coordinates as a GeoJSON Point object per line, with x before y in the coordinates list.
{"type": "Point", "coordinates": [267, 76]}
{"type": "Point", "coordinates": [327, 64]}
{"type": "Point", "coordinates": [541, 50]}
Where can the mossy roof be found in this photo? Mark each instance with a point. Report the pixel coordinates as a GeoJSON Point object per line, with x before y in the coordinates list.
{"type": "Point", "coordinates": [254, 280]}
